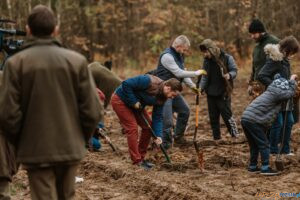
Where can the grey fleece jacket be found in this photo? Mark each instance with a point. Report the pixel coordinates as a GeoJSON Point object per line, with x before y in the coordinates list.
{"type": "Point", "coordinates": [265, 108]}
{"type": "Point", "coordinates": [169, 63]}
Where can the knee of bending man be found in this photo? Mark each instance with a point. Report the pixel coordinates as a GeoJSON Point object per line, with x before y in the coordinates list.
{"type": "Point", "coordinates": [185, 112]}
{"type": "Point", "coordinates": [168, 122]}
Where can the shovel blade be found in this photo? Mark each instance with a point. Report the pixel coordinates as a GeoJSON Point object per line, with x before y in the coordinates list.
{"type": "Point", "coordinates": [279, 165]}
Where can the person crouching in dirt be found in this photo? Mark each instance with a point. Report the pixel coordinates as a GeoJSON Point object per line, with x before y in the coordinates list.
{"type": "Point", "coordinates": [129, 101]}
{"type": "Point", "coordinates": [95, 141]}
{"type": "Point", "coordinates": [259, 116]}
{"type": "Point", "coordinates": [278, 62]}
{"type": "Point", "coordinates": [105, 80]}
{"type": "Point", "coordinates": [217, 84]}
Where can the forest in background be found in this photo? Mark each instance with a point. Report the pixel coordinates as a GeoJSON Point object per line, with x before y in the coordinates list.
{"type": "Point", "coordinates": [132, 33]}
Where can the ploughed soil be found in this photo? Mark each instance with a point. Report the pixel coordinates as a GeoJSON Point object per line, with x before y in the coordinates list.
{"type": "Point", "coordinates": [109, 175]}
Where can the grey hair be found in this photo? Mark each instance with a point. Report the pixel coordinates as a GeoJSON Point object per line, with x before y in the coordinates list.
{"type": "Point", "coordinates": [181, 40]}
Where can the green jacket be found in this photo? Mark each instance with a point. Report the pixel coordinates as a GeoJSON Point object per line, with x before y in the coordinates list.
{"type": "Point", "coordinates": [8, 165]}
{"type": "Point", "coordinates": [259, 55]}
{"type": "Point", "coordinates": [48, 103]}
{"type": "Point", "coordinates": [105, 80]}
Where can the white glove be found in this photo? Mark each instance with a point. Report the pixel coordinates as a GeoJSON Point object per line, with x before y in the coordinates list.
{"type": "Point", "coordinates": [137, 106]}
{"type": "Point", "coordinates": [158, 140]}
{"type": "Point", "coordinates": [294, 77]}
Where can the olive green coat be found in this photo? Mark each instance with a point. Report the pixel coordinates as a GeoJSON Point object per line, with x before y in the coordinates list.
{"type": "Point", "coordinates": [259, 56]}
{"type": "Point", "coordinates": [105, 80]}
{"type": "Point", "coordinates": [48, 103]}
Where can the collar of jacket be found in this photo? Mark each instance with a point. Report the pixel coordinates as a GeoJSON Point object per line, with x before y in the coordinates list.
{"type": "Point", "coordinates": [156, 89]}
{"type": "Point", "coordinates": [272, 50]}
{"type": "Point", "coordinates": [35, 41]}
{"type": "Point", "coordinates": [175, 52]}
{"type": "Point", "coordinates": [263, 38]}
{"type": "Point", "coordinates": [161, 98]}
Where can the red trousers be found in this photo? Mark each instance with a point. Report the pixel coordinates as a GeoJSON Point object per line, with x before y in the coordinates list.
{"type": "Point", "coordinates": [130, 119]}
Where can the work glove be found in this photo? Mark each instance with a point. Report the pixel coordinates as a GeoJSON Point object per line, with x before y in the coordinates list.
{"type": "Point", "coordinates": [137, 106]}
{"type": "Point", "coordinates": [201, 91]}
{"type": "Point", "coordinates": [200, 72]}
{"type": "Point", "coordinates": [195, 90]}
{"type": "Point", "coordinates": [294, 77]}
{"type": "Point", "coordinates": [158, 140]}
{"type": "Point", "coordinates": [250, 90]}
{"type": "Point", "coordinates": [227, 76]}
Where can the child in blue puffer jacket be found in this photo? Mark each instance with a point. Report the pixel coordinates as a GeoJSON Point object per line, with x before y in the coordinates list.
{"type": "Point", "coordinates": [259, 116]}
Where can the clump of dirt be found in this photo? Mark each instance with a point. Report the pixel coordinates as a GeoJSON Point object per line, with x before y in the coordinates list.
{"type": "Point", "coordinates": [180, 167]}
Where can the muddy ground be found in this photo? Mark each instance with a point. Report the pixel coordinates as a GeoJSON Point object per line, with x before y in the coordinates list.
{"type": "Point", "coordinates": [110, 176]}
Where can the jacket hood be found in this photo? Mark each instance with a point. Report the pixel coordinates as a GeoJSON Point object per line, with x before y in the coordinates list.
{"type": "Point", "coordinates": [212, 47]}
{"type": "Point", "coordinates": [272, 50]}
{"type": "Point", "coordinates": [279, 83]}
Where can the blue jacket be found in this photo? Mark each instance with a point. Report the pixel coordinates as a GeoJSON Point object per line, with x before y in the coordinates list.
{"type": "Point", "coordinates": [265, 108]}
{"type": "Point", "coordinates": [147, 90]}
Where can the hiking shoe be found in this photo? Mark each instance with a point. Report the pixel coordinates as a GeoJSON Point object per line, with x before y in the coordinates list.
{"type": "Point", "coordinates": [148, 164]}
{"type": "Point", "coordinates": [143, 165]}
{"type": "Point", "coordinates": [181, 141]}
{"type": "Point", "coordinates": [290, 154]}
{"type": "Point", "coordinates": [269, 172]}
{"type": "Point", "coordinates": [217, 138]}
{"type": "Point", "coordinates": [255, 170]}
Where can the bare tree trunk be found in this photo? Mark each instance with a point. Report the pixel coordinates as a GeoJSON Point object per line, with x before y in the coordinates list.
{"type": "Point", "coordinates": [9, 9]}
{"type": "Point", "coordinates": [58, 9]}
{"type": "Point", "coordinates": [254, 8]}
{"type": "Point", "coordinates": [29, 6]}
{"type": "Point", "coordinates": [237, 29]}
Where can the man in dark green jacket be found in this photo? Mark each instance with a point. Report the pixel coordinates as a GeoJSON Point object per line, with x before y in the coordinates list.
{"type": "Point", "coordinates": [262, 38]}
{"type": "Point", "coordinates": [48, 108]}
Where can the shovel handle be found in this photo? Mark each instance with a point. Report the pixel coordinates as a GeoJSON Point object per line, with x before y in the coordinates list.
{"type": "Point", "coordinates": [102, 135]}
{"type": "Point", "coordinates": [154, 136]}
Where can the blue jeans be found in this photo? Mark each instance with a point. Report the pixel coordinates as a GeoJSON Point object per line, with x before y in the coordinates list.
{"type": "Point", "coordinates": [178, 105]}
{"type": "Point", "coordinates": [288, 132]}
{"type": "Point", "coordinates": [258, 142]}
{"type": "Point", "coordinates": [276, 133]}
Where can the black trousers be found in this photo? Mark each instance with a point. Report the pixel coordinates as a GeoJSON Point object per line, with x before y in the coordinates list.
{"type": "Point", "coordinates": [219, 106]}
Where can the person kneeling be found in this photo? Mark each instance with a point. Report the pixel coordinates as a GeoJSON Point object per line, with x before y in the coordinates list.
{"type": "Point", "coordinates": [128, 102]}
{"type": "Point", "coordinates": [258, 118]}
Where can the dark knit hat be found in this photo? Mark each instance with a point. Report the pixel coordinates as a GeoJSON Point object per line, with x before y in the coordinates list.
{"type": "Point", "coordinates": [256, 26]}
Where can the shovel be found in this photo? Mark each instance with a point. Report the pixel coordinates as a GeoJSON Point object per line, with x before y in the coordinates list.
{"type": "Point", "coordinates": [106, 138]}
{"type": "Point", "coordinates": [279, 162]}
{"type": "Point", "coordinates": [199, 153]}
{"type": "Point", "coordinates": [154, 136]}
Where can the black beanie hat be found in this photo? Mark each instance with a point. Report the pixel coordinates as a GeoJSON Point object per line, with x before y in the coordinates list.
{"type": "Point", "coordinates": [256, 26]}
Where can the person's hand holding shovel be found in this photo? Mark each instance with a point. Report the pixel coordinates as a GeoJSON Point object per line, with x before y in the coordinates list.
{"type": "Point", "coordinates": [137, 106]}
{"type": "Point", "coordinates": [198, 73]}
{"type": "Point", "coordinates": [158, 141]}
